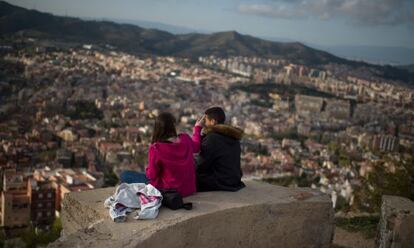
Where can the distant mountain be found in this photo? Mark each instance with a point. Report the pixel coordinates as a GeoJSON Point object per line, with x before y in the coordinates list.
{"type": "Point", "coordinates": [131, 38]}
{"type": "Point", "coordinates": [380, 55]}
{"type": "Point", "coordinates": [409, 68]}
{"type": "Point", "coordinates": [174, 29]}
{"type": "Point", "coordinates": [372, 54]}
{"type": "Point", "coordinates": [134, 39]}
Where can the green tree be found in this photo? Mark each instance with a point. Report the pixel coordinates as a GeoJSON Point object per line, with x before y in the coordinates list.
{"type": "Point", "coordinates": [34, 238]}
{"type": "Point", "coordinates": [381, 181]}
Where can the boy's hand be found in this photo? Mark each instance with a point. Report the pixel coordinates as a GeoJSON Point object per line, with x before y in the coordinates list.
{"type": "Point", "coordinates": [200, 121]}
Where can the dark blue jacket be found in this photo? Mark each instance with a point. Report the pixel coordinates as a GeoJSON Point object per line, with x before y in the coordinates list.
{"type": "Point", "coordinates": [218, 166]}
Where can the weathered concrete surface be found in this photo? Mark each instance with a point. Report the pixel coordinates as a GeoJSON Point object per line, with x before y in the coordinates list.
{"type": "Point", "coordinates": [347, 239]}
{"type": "Point", "coordinates": [396, 225]}
{"type": "Point", "coordinates": [260, 215]}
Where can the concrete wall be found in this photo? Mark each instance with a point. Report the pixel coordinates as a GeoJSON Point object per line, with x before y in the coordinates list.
{"type": "Point", "coordinates": [261, 215]}
{"type": "Point", "coordinates": [397, 223]}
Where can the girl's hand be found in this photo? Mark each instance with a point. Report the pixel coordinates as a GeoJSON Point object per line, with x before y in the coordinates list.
{"type": "Point", "coordinates": [200, 121]}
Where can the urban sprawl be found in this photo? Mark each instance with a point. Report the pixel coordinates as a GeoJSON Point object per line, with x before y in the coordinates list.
{"type": "Point", "coordinates": [85, 113]}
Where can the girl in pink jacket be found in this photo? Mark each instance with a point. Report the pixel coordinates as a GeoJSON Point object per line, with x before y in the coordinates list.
{"type": "Point", "coordinates": [170, 158]}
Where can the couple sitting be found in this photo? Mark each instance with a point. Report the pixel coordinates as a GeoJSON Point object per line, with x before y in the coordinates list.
{"type": "Point", "coordinates": [170, 158]}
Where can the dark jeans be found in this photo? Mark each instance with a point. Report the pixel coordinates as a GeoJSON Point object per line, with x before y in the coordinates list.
{"type": "Point", "coordinates": [133, 177]}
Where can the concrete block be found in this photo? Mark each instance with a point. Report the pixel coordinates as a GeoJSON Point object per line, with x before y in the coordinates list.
{"type": "Point", "coordinates": [260, 215]}
{"type": "Point", "coordinates": [396, 225]}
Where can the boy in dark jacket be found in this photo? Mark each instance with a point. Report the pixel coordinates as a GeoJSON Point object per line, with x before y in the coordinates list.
{"type": "Point", "coordinates": [219, 161]}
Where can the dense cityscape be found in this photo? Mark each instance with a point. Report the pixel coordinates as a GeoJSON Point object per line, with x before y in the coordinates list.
{"type": "Point", "coordinates": [319, 107]}
{"type": "Point", "coordinates": [74, 116]}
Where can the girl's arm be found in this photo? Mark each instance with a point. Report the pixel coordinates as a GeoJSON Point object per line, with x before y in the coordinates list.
{"type": "Point", "coordinates": [152, 168]}
{"type": "Point", "coordinates": [196, 138]}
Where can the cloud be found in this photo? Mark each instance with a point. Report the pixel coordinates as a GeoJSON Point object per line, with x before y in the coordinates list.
{"type": "Point", "coordinates": [366, 12]}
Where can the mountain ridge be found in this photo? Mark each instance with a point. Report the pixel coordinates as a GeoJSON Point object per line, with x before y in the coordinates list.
{"type": "Point", "coordinates": [133, 38]}
{"type": "Point", "coordinates": [136, 40]}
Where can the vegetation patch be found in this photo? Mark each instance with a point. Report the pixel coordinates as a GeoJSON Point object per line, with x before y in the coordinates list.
{"type": "Point", "coordinates": [85, 110]}
{"type": "Point", "coordinates": [367, 225]}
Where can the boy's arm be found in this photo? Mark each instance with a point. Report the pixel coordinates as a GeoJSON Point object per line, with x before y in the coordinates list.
{"type": "Point", "coordinates": [208, 154]}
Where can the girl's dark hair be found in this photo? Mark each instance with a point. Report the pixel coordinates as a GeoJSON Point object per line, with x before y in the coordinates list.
{"type": "Point", "coordinates": [216, 113]}
{"type": "Point", "coordinates": [164, 128]}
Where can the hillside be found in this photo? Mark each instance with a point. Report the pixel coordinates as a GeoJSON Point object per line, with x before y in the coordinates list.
{"type": "Point", "coordinates": [409, 68]}
{"type": "Point", "coordinates": [133, 39]}
{"type": "Point", "coordinates": [17, 20]}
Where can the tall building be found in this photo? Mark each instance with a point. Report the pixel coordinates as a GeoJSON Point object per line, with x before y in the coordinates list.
{"type": "Point", "coordinates": [386, 143]}
{"type": "Point", "coordinates": [42, 202]}
{"type": "Point", "coordinates": [367, 112]}
{"type": "Point", "coordinates": [15, 200]}
{"type": "Point", "coordinates": [338, 109]}
{"type": "Point", "coordinates": [306, 105]}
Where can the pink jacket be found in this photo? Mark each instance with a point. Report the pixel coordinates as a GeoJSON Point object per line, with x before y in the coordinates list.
{"type": "Point", "coordinates": [171, 165]}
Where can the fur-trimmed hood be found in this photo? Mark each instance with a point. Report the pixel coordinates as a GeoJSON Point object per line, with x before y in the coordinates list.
{"type": "Point", "coordinates": [227, 130]}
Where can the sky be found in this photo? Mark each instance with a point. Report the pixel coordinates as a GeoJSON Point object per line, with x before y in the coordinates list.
{"type": "Point", "coordinates": [388, 23]}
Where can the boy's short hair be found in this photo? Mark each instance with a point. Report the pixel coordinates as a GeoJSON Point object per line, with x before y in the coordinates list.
{"type": "Point", "coordinates": [216, 113]}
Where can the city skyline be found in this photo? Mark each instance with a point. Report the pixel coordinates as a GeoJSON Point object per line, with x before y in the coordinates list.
{"type": "Point", "coordinates": [381, 23]}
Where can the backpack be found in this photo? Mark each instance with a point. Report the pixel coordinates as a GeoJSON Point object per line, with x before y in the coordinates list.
{"type": "Point", "coordinates": [172, 199]}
